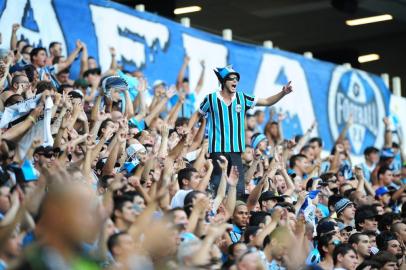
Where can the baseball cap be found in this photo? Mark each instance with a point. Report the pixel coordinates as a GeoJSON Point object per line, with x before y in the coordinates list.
{"type": "Point", "coordinates": [365, 213]}
{"type": "Point", "coordinates": [342, 226]}
{"type": "Point", "coordinates": [381, 191]}
{"type": "Point", "coordinates": [81, 83]}
{"type": "Point", "coordinates": [96, 71]}
{"type": "Point", "coordinates": [387, 153]}
{"type": "Point", "coordinates": [135, 148]}
{"type": "Point", "coordinates": [76, 94]}
{"type": "Point", "coordinates": [158, 83]}
{"type": "Point", "coordinates": [269, 195]}
{"type": "Point", "coordinates": [342, 204]}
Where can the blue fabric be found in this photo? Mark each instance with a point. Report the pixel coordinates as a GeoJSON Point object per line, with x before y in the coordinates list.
{"type": "Point", "coordinates": [138, 124]}
{"type": "Point", "coordinates": [226, 122]}
{"type": "Point", "coordinates": [236, 234]}
{"type": "Point", "coordinates": [188, 108]}
{"type": "Point", "coordinates": [28, 171]}
{"type": "Point", "coordinates": [324, 209]}
{"type": "Point", "coordinates": [28, 239]}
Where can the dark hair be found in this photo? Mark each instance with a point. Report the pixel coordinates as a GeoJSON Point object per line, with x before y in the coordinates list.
{"type": "Point", "coordinates": [258, 217]}
{"type": "Point", "coordinates": [323, 241]}
{"type": "Point", "coordinates": [103, 125]}
{"type": "Point", "coordinates": [119, 202]}
{"type": "Point", "coordinates": [305, 148]}
{"type": "Point", "coordinates": [53, 44]}
{"type": "Point", "coordinates": [30, 72]}
{"type": "Point", "coordinates": [360, 214]}
{"type": "Point", "coordinates": [383, 238]}
{"type": "Point", "coordinates": [44, 85]}
{"type": "Point", "coordinates": [35, 51]}
{"type": "Point", "coordinates": [25, 48]}
{"type": "Point", "coordinates": [370, 150]}
{"type": "Point", "coordinates": [185, 173]}
{"type": "Point", "coordinates": [62, 87]}
{"type": "Point", "coordinates": [333, 199]}
{"type": "Point", "coordinates": [317, 140]}
{"type": "Point", "coordinates": [355, 238]}
{"type": "Point", "coordinates": [386, 221]}
{"type": "Point", "coordinates": [366, 263]}
{"type": "Point", "coordinates": [382, 170]}
{"type": "Point", "coordinates": [342, 249]}
{"type": "Point", "coordinates": [16, 79]}
{"type": "Point", "coordinates": [181, 121]}
{"type": "Point", "coordinates": [383, 257]}
{"type": "Point", "coordinates": [250, 231]}
{"type": "Point", "coordinates": [188, 201]}
{"type": "Point", "coordinates": [13, 99]}
{"type": "Point", "coordinates": [113, 241]}
{"type": "Point", "coordinates": [294, 158]}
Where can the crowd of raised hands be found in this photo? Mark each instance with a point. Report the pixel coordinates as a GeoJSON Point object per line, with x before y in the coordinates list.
{"type": "Point", "coordinates": [102, 169]}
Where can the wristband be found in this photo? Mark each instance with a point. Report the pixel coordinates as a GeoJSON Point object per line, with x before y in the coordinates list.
{"type": "Point", "coordinates": [32, 119]}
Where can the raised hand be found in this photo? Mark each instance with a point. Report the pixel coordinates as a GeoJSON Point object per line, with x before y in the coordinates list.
{"type": "Point", "coordinates": [171, 91]}
{"type": "Point", "coordinates": [164, 131]}
{"type": "Point", "coordinates": [233, 177]}
{"type": "Point", "coordinates": [223, 163]}
{"type": "Point", "coordinates": [142, 85]}
{"type": "Point", "coordinates": [287, 88]}
{"type": "Point", "coordinates": [15, 27]}
{"type": "Point", "coordinates": [186, 60]}
{"type": "Point", "coordinates": [112, 51]}
{"type": "Point", "coordinates": [79, 44]}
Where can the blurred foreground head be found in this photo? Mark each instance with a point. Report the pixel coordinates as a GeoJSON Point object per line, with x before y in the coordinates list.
{"type": "Point", "coordinates": [69, 214]}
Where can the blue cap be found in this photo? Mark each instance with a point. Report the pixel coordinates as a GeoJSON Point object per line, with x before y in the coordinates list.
{"type": "Point", "coordinates": [342, 204]}
{"type": "Point", "coordinates": [224, 72]}
{"type": "Point", "coordinates": [113, 82]}
{"type": "Point", "coordinates": [381, 191]}
{"type": "Point", "coordinates": [256, 139]}
{"type": "Point", "coordinates": [387, 153]}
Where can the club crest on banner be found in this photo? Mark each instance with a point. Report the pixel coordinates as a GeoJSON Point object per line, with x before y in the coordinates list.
{"type": "Point", "coordinates": [353, 92]}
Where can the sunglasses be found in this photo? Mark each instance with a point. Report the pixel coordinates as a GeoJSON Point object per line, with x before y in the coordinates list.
{"type": "Point", "coordinates": [48, 154]}
{"type": "Point", "coordinates": [232, 79]}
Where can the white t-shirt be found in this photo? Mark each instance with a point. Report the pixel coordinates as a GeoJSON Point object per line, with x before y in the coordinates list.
{"type": "Point", "coordinates": [179, 198]}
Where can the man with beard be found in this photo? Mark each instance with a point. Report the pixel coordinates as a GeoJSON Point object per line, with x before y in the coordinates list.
{"type": "Point", "coordinates": [360, 242]}
{"type": "Point", "coordinates": [226, 110]}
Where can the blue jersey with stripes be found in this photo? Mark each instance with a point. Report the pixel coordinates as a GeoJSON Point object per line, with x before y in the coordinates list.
{"type": "Point", "coordinates": [50, 72]}
{"type": "Point", "coordinates": [226, 122]}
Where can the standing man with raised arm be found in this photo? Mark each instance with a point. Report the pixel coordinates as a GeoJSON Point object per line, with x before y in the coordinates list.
{"type": "Point", "coordinates": [226, 111]}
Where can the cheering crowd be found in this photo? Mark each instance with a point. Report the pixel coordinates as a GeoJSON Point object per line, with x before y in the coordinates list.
{"type": "Point", "coordinates": [111, 171]}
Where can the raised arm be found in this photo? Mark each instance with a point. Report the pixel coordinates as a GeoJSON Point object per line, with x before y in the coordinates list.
{"type": "Point", "coordinates": [388, 133]}
{"type": "Point", "coordinates": [341, 137]}
{"type": "Point", "coordinates": [71, 58]}
{"type": "Point", "coordinates": [182, 71]}
{"type": "Point", "coordinates": [199, 85]}
{"type": "Point", "coordinates": [269, 101]}
{"type": "Point", "coordinates": [13, 40]}
{"type": "Point", "coordinates": [84, 65]}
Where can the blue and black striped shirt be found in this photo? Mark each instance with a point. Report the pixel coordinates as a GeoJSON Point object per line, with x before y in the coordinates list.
{"type": "Point", "coordinates": [226, 123]}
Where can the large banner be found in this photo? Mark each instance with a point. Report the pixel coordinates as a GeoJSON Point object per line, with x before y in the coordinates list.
{"type": "Point", "coordinates": [157, 46]}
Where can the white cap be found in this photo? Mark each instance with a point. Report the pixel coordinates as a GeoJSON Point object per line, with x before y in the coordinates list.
{"type": "Point", "coordinates": [135, 148]}
{"type": "Point", "coordinates": [158, 83]}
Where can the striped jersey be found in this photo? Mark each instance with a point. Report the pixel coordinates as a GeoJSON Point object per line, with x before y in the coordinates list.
{"type": "Point", "coordinates": [226, 123]}
{"type": "Point", "coordinates": [49, 73]}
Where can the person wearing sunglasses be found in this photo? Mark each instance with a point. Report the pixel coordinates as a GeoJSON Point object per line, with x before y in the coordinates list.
{"type": "Point", "coordinates": [226, 110]}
